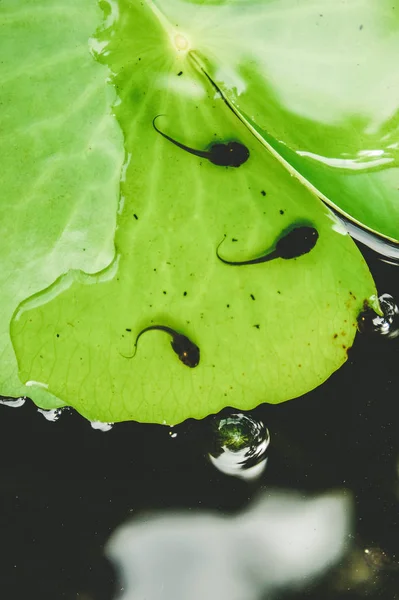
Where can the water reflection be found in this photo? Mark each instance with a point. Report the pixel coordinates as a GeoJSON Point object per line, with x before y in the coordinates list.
{"type": "Point", "coordinates": [12, 402]}
{"type": "Point", "coordinates": [51, 415]}
{"type": "Point", "coordinates": [388, 251]}
{"type": "Point", "coordinates": [101, 426]}
{"type": "Point", "coordinates": [283, 541]}
{"type": "Point", "coordinates": [387, 325]}
{"type": "Point", "coordinates": [239, 446]}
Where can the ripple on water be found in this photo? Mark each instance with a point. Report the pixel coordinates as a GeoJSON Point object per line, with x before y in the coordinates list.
{"type": "Point", "coordinates": [386, 325]}
{"type": "Point", "coordinates": [240, 446]}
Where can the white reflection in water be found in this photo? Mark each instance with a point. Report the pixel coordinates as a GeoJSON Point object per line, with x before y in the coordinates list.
{"type": "Point", "coordinates": [12, 402]}
{"type": "Point", "coordinates": [388, 251]}
{"type": "Point", "coordinates": [51, 415]}
{"type": "Point", "coordinates": [282, 541]}
{"type": "Point", "coordinates": [101, 426]}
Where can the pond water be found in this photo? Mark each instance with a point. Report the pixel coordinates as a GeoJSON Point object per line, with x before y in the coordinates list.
{"type": "Point", "coordinates": [318, 517]}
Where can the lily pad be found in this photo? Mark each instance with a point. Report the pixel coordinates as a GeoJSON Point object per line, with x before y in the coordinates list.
{"type": "Point", "coordinates": [61, 153]}
{"type": "Point", "coordinates": [266, 332]}
{"type": "Point", "coordinates": [319, 80]}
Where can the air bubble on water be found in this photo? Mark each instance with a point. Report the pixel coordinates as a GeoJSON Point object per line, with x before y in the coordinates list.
{"type": "Point", "coordinates": [387, 325]}
{"type": "Point", "coordinates": [12, 402]}
{"type": "Point", "coordinates": [51, 415]}
{"type": "Point", "coordinates": [101, 426]}
{"type": "Point", "coordinates": [239, 446]}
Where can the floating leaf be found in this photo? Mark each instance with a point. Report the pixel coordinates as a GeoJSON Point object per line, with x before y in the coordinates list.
{"type": "Point", "coordinates": [60, 156]}
{"type": "Point", "coordinates": [266, 332]}
{"type": "Point", "coordinates": [320, 82]}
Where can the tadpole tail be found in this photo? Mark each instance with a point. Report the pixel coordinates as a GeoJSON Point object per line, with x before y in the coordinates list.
{"type": "Point", "coordinates": [217, 250]}
{"type": "Point", "coordinates": [132, 355]}
{"type": "Point", "coordinates": [200, 153]}
{"type": "Point", "coordinates": [253, 261]}
{"type": "Point", "coordinates": [165, 328]}
{"type": "Point", "coordinates": [153, 123]}
{"type": "Point", "coordinates": [135, 347]}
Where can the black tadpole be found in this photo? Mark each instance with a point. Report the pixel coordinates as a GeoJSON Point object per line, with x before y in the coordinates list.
{"type": "Point", "coordinates": [186, 350]}
{"type": "Point", "coordinates": [297, 241]}
{"type": "Point", "coordinates": [229, 154]}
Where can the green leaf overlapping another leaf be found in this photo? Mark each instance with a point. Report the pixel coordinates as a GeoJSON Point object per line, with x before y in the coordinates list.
{"type": "Point", "coordinates": [266, 332]}
{"type": "Point", "coordinates": [61, 153]}
{"type": "Point", "coordinates": [319, 80]}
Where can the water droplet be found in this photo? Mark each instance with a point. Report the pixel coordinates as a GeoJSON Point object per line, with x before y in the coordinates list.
{"type": "Point", "coordinates": [240, 445]}
{"type": "Point", "coordinates": [12, 402]}
{"type": "Point", "coordinates": [101, 426]}
{"type": "Point", "coordinates": [51, 415]}
{"type": "Point", "coordinates": [370, 322]}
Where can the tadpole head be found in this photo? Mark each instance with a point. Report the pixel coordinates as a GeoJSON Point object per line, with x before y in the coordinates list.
{"type": "Point", "coordinates": [232, 154]}
{"type": "Point", "coordinates": [186, 350]}
{"type": "Point", "coordinates": [298, 241]}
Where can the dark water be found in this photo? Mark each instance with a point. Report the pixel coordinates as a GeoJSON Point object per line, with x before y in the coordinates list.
{"type": "Point", "coordinates": [65, 487]}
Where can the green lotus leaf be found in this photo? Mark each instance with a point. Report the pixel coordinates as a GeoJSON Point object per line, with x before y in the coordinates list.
{"type": "Point", "coordinates": [267, 332]}
{"type": "Point", "coordinates": [319, 80]}
{"type": "Point", "coordinates": [60, 152]}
